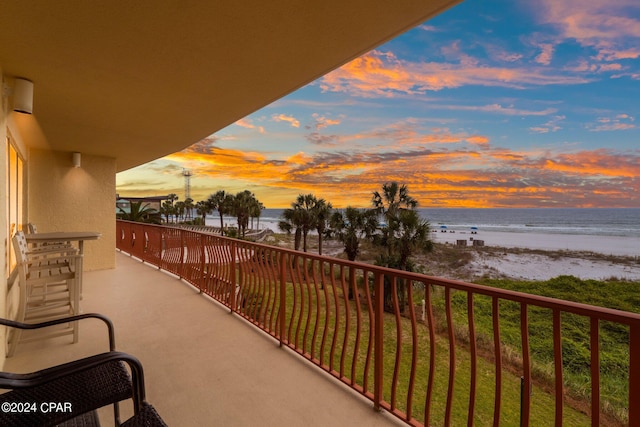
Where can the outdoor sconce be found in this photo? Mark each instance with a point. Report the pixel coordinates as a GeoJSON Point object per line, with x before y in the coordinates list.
{"type": "Point", "coordinates": [77, 158]}
{"type": "Point", "coordinates": [23, 96]}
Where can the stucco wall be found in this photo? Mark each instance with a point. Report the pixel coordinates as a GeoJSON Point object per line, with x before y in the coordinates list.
{"type": "Point", "coordinates": [64, 198]}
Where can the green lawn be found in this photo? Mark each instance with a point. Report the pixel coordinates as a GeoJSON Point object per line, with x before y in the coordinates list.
{"type": "Point", "coordinates": [320, 314]}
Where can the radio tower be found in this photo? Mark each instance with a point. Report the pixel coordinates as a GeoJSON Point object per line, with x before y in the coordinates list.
{"type": "Point", "coordinates": [187, 183]}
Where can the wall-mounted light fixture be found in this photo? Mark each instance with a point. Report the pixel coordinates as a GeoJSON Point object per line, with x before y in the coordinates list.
{"type": "Point", "coordinates": [77, 159]}
{"type": "Point", "coordinates": [23, 96]}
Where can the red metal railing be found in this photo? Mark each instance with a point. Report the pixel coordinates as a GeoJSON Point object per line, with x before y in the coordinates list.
{"type": "Point", "coordinates": [397, 338]}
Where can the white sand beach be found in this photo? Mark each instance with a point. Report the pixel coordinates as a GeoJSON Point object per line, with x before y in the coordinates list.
{"type": "Point", "coordinates": [538, 266]}
{"type": "Point", "coordinates": [606, 245]}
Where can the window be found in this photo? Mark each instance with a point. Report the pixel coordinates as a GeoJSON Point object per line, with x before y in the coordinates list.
{"type": "Point", "coordinates": [14, 192]}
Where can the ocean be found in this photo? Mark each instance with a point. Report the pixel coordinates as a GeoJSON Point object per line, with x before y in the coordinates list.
{"type": "Point", "coordinates": [579, 221]}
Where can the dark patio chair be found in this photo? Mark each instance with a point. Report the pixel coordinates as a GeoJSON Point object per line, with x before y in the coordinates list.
{"type": "Point", "coordinates": [80, 387]}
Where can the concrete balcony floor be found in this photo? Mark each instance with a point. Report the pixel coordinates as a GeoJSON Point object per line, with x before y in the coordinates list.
{"type": "Point", "coordinates": [203, 366]}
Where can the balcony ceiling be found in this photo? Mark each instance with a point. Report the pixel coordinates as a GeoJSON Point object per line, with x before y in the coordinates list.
{"type": "Point", "coordinates": [137, 80]}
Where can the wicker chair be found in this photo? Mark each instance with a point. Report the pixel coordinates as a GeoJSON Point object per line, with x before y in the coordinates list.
{"type": "Point", "coordinates": [82, 386]}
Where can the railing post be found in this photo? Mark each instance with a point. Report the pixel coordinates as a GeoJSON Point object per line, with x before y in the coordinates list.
{"type": "Point", "coordinates": [378, 367]}
{"type": "Point", "coordinates": [283, 299]}
{"type": "Point", "coordinates": [232, 274]}
{"type": "Point", "coordinates": [634, 375]}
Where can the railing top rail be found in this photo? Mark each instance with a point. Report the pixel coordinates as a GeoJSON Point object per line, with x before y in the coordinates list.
{"type": "Point", "coordinates": [601, 313]}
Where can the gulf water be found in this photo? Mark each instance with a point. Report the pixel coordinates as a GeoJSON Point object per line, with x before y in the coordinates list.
{"type": "Point", "coordinates": [583, 221]}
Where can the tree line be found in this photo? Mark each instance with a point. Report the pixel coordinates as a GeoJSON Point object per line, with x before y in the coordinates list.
{"type": "Point", "coordinates": [391, 223]}
{"type": "Point", "coordinates": [243, 205]}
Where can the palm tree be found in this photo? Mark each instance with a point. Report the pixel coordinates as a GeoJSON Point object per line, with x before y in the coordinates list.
{"type": "Point", "coordinates": [220, 201]}
{"type": "Point", "coordinates": [180, 207]}
{"type": "Point", "coordinates": [321, 212]}
{"type": "Point", "coordinates": [305, 203]}
{"type": "Point", "coordinates": [412, 234]}
{"type": "Point", "coordinates": [255, 211]}
{"type": "Point", "coordinates": [242, 203]}
{"type": "Point", "coordinates": [393, 199]}
{"type": "Point", "coordinates": [352, 225]}
{"type": "Point", "coordinates": [139, 213]}
{"type": "Point", "coordinates": [168, 210]}
{"type": "Point", "coordinates": [172, 197]}
{"type": "Point", "coordinates": [291, 219]}
{"type": "Point", "coordinates": [403, 234]}
{"type": "Point", "coordinates": [188, 207]}
{"type": "Point", "coordinates": [202, 208]}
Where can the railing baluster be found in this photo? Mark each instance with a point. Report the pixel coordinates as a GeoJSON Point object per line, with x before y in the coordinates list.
{"type": "Point", "coordinates": [307, 314]}
{"type": "Point", "coordinates": [356, 298]}
{"type": "Point", "coordinates": [232, 271]}
{"type": "Point", "coordinates": [432, 355]}
{"type": "Point", "coordinates": [316, 287]}
{"type": "Point", "coordinates": [371, 344]}
{"type": "Point", "coordinates": [473, 347]}
{"type": "Point", "coordinates": [327, 311]}
{"type": "Point", "coordinates": [526, 365]}
{"type": "Point", "coordinates": [347, 319]}
{"type": "Point", "coordinates": [595, 371]}
{"type": "Point", "coordinates": [452, 356]}
{"type": "Point", "coordinates": [495, 310]}
{"type": "Point", "coordinates": [396, 365]}
{"type": "Point", "coordinates": [283, 296]}
{"type": "Point", "coordinates": [557, 354]}
{"type": "Point", "coordinates": [336, 324]}
{"type": "Point", "coordinates": [414, 350]}
{"type": "Point", "coordinates": [378, 366]}
{"type": "Point", "coordinates": [634, 374]}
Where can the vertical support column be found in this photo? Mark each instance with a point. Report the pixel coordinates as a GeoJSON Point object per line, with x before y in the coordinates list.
{"type": "Point", "coordinates": [634, 375]}
{"type": "Point", "coordinates": [378, 366]}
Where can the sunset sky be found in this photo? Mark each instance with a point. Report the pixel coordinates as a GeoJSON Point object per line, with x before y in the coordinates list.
{"type": "Point", "coordinates": [491, 104]}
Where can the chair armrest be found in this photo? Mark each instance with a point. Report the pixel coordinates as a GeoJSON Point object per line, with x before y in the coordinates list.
{"type": "Point", "coordinates": [86, 384]}
{"type": "Point", "coordinates": [44, 250]}
{"type": "Point", "coordinates": [14, 381]}
{"type": "Point", "coordinates": [35, 260]}
{"type": "Point", "coordinates": [28, 326]}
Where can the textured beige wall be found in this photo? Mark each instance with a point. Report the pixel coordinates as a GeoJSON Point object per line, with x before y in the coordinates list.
{"type": "Point", "coordinates": [64, 198]}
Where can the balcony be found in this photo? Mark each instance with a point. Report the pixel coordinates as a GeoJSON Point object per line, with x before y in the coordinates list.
{"type": "Point", "coordinates": [202, 365]}
{"type": "Point", "coordinates": [368, 330]}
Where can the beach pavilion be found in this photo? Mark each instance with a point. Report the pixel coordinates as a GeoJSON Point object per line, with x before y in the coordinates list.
{"type": "Point", "coordinates": [123, 83]}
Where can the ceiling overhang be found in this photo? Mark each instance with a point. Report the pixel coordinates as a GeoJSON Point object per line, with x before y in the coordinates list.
{"type": "Point", "coordinates": [137, 80]}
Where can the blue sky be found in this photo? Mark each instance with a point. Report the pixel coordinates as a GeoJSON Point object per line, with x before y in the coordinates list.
{"type": "Point", "coordinates": [490, 104]}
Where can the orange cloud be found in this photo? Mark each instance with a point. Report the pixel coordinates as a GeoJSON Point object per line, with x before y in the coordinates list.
{"type": "Point", "coordinates": [284, 118]}
{"type": "Point", "coordinates": [322, 122]}
{"type": "Point", "coordinates": [382, 74]}
{"type": "Point", "coordinates": [439, 175]}
{"type": "Point", "coordinates": [246, 123]}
